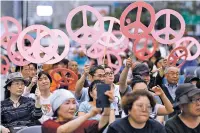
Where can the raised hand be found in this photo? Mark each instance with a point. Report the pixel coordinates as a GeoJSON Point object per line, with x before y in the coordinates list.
{"type": "Point", "coordinates": [157, 90]}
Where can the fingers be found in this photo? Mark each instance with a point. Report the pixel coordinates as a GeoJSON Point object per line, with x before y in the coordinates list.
{"type": "Point", "coordinates": [129, 62]}
{"type": "Point", "coordinates": [86, 69]}
{"type": "Point", "coordinates": [110, 95]}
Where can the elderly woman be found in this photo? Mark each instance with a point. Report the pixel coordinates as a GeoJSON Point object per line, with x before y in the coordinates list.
{"type": "Point", "coordinates": [64, 106]}
{"type": "Point", "coordinates": [18, 111]}
{"type": "Point", "coordinates": [138, 106]}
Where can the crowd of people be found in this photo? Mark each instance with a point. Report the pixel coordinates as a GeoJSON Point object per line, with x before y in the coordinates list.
{"type": "Point", "coordinates": [142, 99]}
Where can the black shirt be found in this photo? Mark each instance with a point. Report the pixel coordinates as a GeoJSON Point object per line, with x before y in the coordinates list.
{"type": "Point", "coordinates": [123, 126]}
{"type": "Point", "coordinates": [175, 125]}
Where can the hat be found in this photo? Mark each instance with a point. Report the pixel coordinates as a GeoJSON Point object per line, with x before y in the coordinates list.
{"type": "Point", "coordinates": [184, 92]}
{"type": "Point", "coordinates": [14, 76]}
{"type": "Point", "coordinates": [191, 78]}
{"type": "Point", "coordinates": [59, 97]}
{"type": "Point", "coordinates": [140, 69]}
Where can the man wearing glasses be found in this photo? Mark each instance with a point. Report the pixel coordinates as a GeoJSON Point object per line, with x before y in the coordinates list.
{"type": "Point", "coordinates": [188, 101]}
{"type": "Point", "coordinates": [95, 73]}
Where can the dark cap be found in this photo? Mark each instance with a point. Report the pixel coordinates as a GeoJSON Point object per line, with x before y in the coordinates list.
{"type": "Point", "coordinates": [14, 76]}
{"type": "Point", "coordinates": [184, 92]}
{"type": "Point", "coordinates": [191, 78]}
{"type": "Point", "coordinates": [140, 69]}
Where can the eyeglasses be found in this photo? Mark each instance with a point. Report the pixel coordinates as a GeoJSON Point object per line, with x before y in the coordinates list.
{"type": "Point", "coordinates": [176, 74]}
{"type": "Point", "coordinates": [100, 75]}
{"type": "Point", "coordinates": [142, 107]}
{"type": "Point", "coordinates": [109, 73]}
{"type": "Point", "coordinates": [196, 100]}
{"type": "Point", "coordinates": [18, 84]}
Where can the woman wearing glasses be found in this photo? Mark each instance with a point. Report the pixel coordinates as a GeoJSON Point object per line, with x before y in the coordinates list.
{"type": "Point", "coordinates": [138, 106]}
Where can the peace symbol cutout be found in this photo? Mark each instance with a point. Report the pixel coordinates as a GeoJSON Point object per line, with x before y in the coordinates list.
{"type": "Point", "coordinates": [7, 35]}
{"type": "Point", "coordinates": [109, 39]}
{"type": "Point", "coordinates": [137, 24]}
{"type": "Point", "coordinates": [144, 53]}
{"type": "Point", "coordinates": [90, 35]}
{"type": "Point", "coordinates": [168, 30]}
{"type": "Point", "coordinates": [122, 46]}
{"type": "Point", "coordinates": [33, 54]}
{"type": "Point", "coordinates": [110, 64]}
{"type": "Point", "coordinates": [173, 58]}
{"type": "Point", "coordinates": [64, 73]}
{"type": "Point", "coordinates": [95, 51]}
{"type": "Point", "coordinates": [56, 56]}
{"type": "Point", "coordinates": [4, 67]}
{"type": "Point", "coordinates": [14, 55]}
{"type": "Point", "coordinates": [189, 42]}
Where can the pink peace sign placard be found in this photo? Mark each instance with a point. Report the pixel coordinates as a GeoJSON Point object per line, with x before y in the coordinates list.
{"type": "Point", "coordinates": [4, 67]}
{"type": "Point", "coordinates": [144, 53]}
{"type": "Point", "coordinates": [89, 34]}
{"type": "Point", "coordinates": [109, 39]}
{"type": "Point", "coordinates": [56, 57]}
{"type": "Point", "coordinates": [168, 30]}
{"type": "Point", "coordinates": [137, 24]}
{"type": "Point", "coordinates": [37, 53]}
{"type": "Point", "coordinates": [95, 51]}
{"type": "Point", "coordinates": [68, 77]}
{"type": "Point", "coordinates": [7, 35]}
{"type": "Point", "coordinates": [110, 64]}
{"type": "Point", "coordinates": [173, 58]}
{"type": "Point", "coordinates": [14, 55]}
{"type": "Point", "coordinates": [189, 42]}
{"type": "Point", "coordinates": [122, 46]}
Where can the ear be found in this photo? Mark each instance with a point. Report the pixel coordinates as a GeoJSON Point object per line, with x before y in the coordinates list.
{"type": "Point", "coordinates": [8, 87]}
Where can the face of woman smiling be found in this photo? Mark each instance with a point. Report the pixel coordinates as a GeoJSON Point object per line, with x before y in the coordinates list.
{"type": "Point", "coordinates": [67, 110]}
{"type": "Point", "coordinates": [43, 82]}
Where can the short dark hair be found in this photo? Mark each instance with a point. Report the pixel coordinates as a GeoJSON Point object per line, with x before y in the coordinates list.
{"type": "Point", "coordinates": [41, 73]}
{"type": "Point", "coordinates": [91, 87]}
{"type": "Point", "coordinates": [130, 98]}
{"type": "Point", "coordinates": [35, 65]}
{"type": "Point", "coordinates": [137, 79]}
{"type": "Point", "coordinates": [94, 69]}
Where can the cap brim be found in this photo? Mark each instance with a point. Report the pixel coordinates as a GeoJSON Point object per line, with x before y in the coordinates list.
{"type": "Point", "coordinates": [25, 81]}
{"type": "Point", "coordinates": [182, 100]}
{"type": "Point", "coordinates": [194, 92]}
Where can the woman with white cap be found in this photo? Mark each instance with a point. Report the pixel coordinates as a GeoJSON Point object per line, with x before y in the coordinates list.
{"type": "Point", "coordinates": [64, 106]}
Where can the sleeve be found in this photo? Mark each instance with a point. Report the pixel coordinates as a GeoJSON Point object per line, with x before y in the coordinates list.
{"type": "Point", "coordinates": [111, 130]}
{"type": "Point", "coordinates": [83, 107]}
{"type": "Point", "coordinates": [49, 127]}
{"type": "Point", "coordinates": [36, 113]}
{"type": "Point", "coordinates": [83, 97]}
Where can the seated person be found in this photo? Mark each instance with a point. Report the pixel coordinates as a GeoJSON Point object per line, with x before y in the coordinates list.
{"type": "Point", "coordinates": [138, 106]}
{"type": "Point", "coordinates": [64, 106]}
{"type": "Point", "coordinates": [18, 111]}
{"type": "Point", "coordinates": [43, 86]}
{"type": "Point", "coordinates": [86, 106]}
{"type": "Point", "coordinates": [188, 101]}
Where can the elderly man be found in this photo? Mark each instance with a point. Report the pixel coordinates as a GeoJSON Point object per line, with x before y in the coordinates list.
{"type": "Point", "coordinates": [172, 77]}
{"type": "Point", "coordinates": [188, 100]}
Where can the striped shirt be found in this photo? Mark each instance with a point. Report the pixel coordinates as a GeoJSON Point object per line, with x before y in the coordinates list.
{"type": "Point", "coordinates": [26, 114]}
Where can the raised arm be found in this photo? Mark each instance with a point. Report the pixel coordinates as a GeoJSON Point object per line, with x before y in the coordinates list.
{"type": "Point", "coordinates": [81, 81]}
{"type": "Point", "coordinates": [168, 107]}
{"type": "Point", "coordinates": [123, 76]}
{"type": "Point", "coordinates": [74, 124]}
